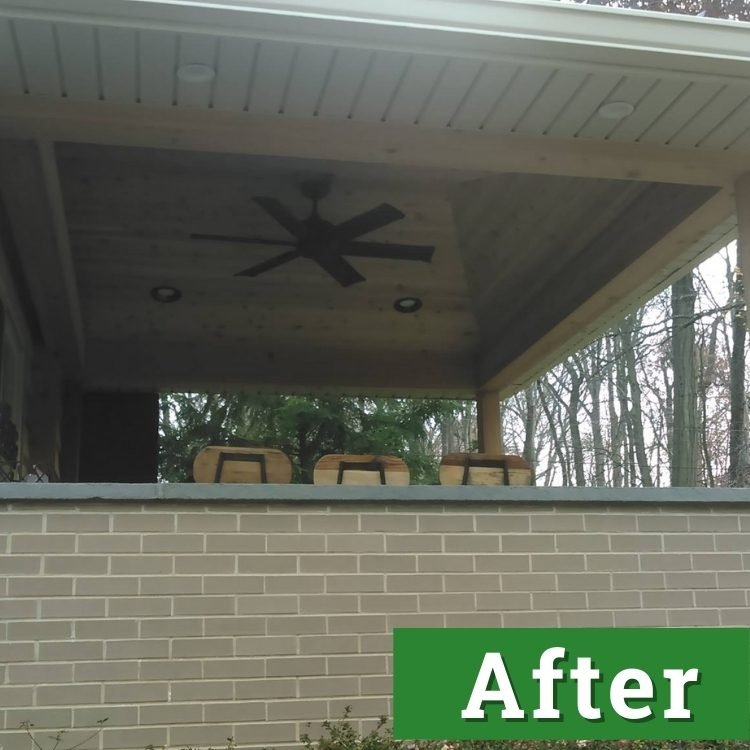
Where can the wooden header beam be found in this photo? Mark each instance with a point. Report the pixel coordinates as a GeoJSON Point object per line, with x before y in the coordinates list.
{"type": "Point", "coordinates": [240, 133]}
{"type": "Point", "coordinates": [174, 365]}
{"type": "Point", "coordinates": [30, 188]}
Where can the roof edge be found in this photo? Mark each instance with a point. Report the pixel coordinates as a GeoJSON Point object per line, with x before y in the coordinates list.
{"type": "Point", "coordinates": [547, 29]}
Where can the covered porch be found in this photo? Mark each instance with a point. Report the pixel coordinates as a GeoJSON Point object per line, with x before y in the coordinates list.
{"type": "Point", "coordinates": [563, 162]}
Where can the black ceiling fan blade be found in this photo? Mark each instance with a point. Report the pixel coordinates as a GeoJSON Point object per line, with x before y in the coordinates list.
{"type": "Point", "coordinates": [340, 269]}
{"type": "Point", "coordinates": [281, 214]}
{"type": "Point", "coordinates": [387, 250]}
{"type": "Point", "coordinates": [245, 240]}
{"type": "Point", "coordinates": [369, 221]}
{"type": "Point", "coordinates": [267, 265]}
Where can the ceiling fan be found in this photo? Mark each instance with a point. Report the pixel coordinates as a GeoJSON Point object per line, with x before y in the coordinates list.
{"type": "Point", "coordinates": [324, 242]}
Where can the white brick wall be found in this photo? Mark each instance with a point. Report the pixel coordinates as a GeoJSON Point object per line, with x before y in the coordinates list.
{"type": "Point", "coordinates": [186, 624]}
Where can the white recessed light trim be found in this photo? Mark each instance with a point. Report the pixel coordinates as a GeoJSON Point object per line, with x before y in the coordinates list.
{"type": "Point", "coordinates": [407, 305]}
{"type": "Point", "coordinates": [616, 110]}
{"type": "Point", "coordinates": [166, 294]}
{"type": "Point", "coordinates": [195, 73]}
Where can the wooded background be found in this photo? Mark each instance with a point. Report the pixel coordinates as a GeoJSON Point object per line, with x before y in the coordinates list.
{"type": "Point", "coordinates": [659, 400]}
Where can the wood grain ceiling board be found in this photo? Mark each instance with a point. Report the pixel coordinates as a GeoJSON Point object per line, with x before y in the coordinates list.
{"type": "Point", "coordinates": [578, 271]}
{"type": "Point", "coordinates": [184, 367]}
{"type": "Point", "coordinates": [130, 213]}
{"type": "Point", "coordinates": [500, 242]}
{"type": "Point", "coordinates": [128, 65]}
{"type": "Point", "coordinates": [515, 229]}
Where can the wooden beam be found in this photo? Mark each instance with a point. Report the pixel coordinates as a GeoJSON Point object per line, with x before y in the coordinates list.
{"type": "Point", "coordinates": [489, 422]}
{"type": "Point", "coordinates": [31, 193]}
{"type": "Point", "coordinates": [683, 247]}
{"type": "Point", "coordinates": [161, 364]}
{"type": "Point", "coordinates": [742, 196]}
{"type": "Point", "coordinates": [67, 279]}
{"type": "Point", "coordinates": [14, 291]}
{"type": "Point", "coordinates": [373, 143]}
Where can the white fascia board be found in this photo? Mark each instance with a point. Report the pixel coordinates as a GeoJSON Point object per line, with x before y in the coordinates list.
{"type": "Point", "coordinates": [521, 30]}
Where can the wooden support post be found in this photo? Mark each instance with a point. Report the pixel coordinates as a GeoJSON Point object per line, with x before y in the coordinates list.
{"type": "Point", "coordinates": [489, 423]}
{"type": "Point", "coordinates": [742, 195]}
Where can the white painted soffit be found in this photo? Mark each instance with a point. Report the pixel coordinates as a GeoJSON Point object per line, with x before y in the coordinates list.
{"type": "Point", "coordinates": [530, 30]}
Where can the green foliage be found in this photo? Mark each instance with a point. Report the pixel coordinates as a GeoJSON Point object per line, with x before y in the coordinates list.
{"type": "Point", "coordinates": [305, 428]}
{"type": "Point", "coordinates": [342, 735]}
{"type": "Point", "coordinates": [735, 9]}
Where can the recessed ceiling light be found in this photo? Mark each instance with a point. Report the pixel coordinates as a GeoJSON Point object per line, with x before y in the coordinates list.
{"type": "Point", "coordinates": [195, 73]}
{"type": "Point", "coordinates": [166, 294]}
{"type": "Point", "coordinates": [616, 110]}
{"type": "Point", "coordinates": [407, 304]}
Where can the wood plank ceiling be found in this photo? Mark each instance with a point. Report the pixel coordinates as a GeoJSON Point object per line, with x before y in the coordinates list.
{"type": "Point", "coordinates": [503, 244]}
{"type": "Point", "coordinates": [516, 253]}
{"type": "Point", "coordinates": [130, 213]}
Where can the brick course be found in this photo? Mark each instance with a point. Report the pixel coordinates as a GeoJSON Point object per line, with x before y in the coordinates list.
{"type": "Point", "coordinates": [187, 624]}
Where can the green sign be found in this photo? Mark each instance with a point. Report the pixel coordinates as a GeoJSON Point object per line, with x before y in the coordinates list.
{"type": "Point", "coordinates": [578, 683]}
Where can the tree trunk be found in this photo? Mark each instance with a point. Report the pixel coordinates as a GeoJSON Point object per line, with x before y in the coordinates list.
{"type": "Point", "coordinates": [594, 378]}
{"type": "Point", "coordinates": [635, 421]}
{"type": "Point", "coordinates": [614, 420]}
{"type": "Point", "coordinates": [574, 406]}
{"type": "Point", "coordinates": [738, 406]}
{"type": "Point", "coordinates": [557, 443]}
{"type": "Point", "coordinates": [529, 441]}
{"type": "Point", "coordinates": [624, 425]}
{"type": "Point", "coordinates": [684, 399]}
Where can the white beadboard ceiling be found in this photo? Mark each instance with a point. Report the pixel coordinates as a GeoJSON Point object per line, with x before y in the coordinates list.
{"type": "Point", "coordinates": [137, 66]}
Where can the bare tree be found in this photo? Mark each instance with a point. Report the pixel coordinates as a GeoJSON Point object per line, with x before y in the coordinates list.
{"type": "Point", "coordinates": [685, 421]}
{"type": "Point", "coordinates": [738, 399]}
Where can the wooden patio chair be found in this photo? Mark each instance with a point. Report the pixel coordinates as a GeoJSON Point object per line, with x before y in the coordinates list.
{"type": "Point", "coordinates": [484, 469]}
{"type": "Point", "coordinates": [364, 469]}
{"type": "Point", "coordinates": [228, 464]}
